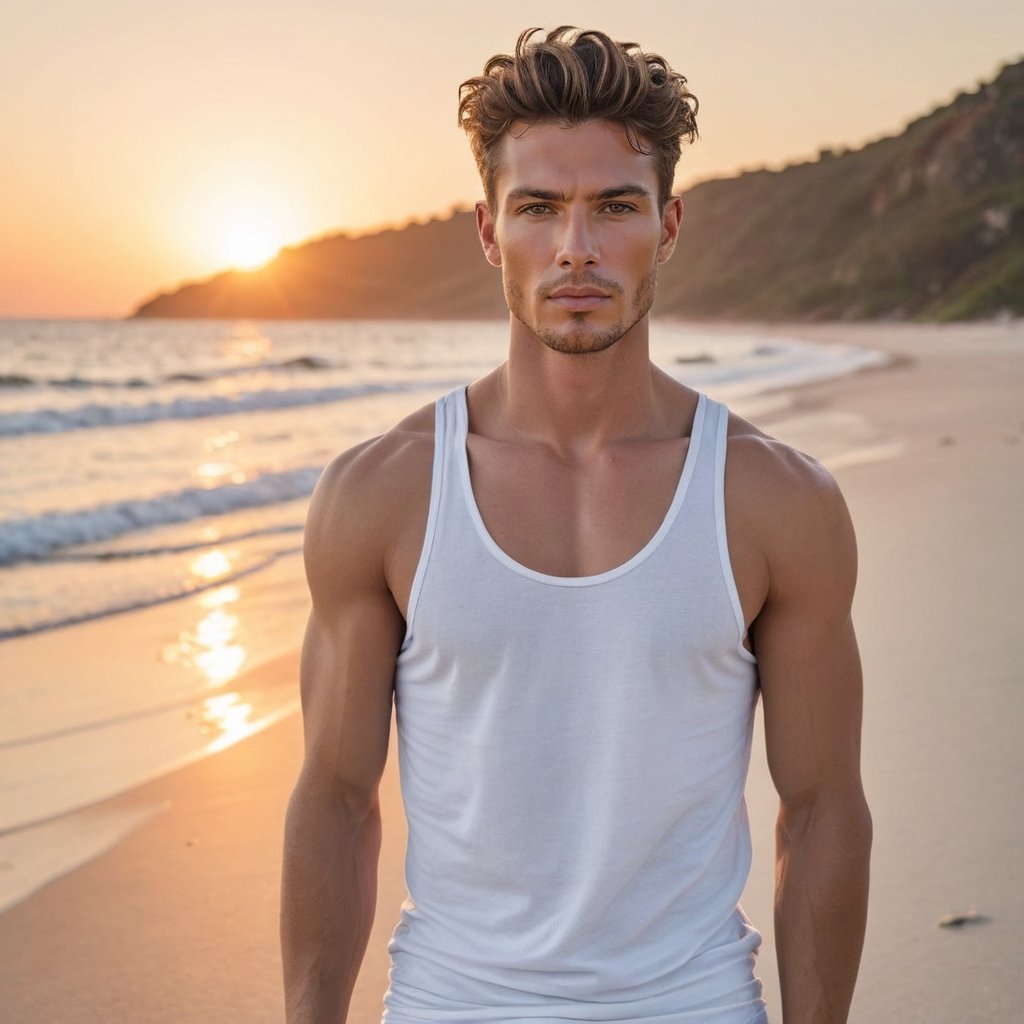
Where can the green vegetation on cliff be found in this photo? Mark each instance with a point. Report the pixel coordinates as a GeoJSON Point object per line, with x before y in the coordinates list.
{"type": "Point", "coordinates": [925, 225]}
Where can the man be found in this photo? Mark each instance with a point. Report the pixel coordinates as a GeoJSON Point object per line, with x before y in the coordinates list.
{"type": "Point", "coordinates": [574, 578]}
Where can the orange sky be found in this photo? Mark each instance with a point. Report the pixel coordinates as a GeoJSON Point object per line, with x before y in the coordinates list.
{"type": "Point", "coordinates": [147, 144]}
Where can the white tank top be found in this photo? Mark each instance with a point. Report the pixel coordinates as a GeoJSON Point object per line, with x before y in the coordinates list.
{"type": "Point", "coordinates": [573, 752]}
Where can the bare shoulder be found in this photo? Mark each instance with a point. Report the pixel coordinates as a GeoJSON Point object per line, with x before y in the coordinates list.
{"type": "Point", "coordinates": [367, 500]}
{"type": "Point", "coordinates": [776, 473]}
{"type": "Point", "coordinates": [794, 508]}
{"type": "Point", "coordinates": [363, 486]}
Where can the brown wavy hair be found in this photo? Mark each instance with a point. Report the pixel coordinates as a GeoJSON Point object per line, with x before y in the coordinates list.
{"type": "Point", "coordinates": [573, 76]}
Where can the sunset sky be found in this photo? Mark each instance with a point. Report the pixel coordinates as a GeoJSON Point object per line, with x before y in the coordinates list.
{"type": "Point", "coordinates": [146, 144]}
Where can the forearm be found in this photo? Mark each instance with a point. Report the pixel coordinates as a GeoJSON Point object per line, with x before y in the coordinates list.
{"type": "Point", "coordinates": [328, 897]}
{"type": "Point", "coordinates": [821, 909]}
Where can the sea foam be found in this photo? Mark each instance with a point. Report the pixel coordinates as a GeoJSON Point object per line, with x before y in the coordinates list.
{"type": "Point", "coordinates": [42, 535]}
{"type": "Point", "coordinates": [95, 414]}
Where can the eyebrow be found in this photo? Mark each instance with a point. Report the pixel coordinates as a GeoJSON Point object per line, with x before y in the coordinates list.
{"type": "Point", "coordinates": [617, 192]}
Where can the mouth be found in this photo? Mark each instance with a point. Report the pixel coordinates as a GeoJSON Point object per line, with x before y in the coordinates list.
{"type": "Point", "coordinates": [578, 299]}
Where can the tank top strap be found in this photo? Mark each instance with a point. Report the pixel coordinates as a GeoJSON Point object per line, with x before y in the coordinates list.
{"type": "Point", "coordinates": [442, 477]}
{"type": "Point", "coordinates": [450, 437]}
{"type": "Point", "coordinates": [718, 452]}
{"type": "Point", "coordinates": [703, 439]}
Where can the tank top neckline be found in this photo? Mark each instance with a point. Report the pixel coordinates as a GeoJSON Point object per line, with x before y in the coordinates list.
{"type": "Point", "coordinates": [461, 455]}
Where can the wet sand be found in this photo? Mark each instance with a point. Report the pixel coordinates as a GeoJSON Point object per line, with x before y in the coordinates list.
{"type": "Point", "coordinates": [178, 922]}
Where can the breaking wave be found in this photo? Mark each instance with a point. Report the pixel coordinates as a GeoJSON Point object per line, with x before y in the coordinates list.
{"type": "Point", "coordinates": [40, 536]}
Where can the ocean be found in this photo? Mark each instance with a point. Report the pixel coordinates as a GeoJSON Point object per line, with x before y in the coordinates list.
{"type": "Point", "coordinates": [154, 477]}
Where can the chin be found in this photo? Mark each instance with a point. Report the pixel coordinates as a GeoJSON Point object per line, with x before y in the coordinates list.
{"type": "Point", "coordinates": [580, 338]}
{"type": "Point", "coordinates": [577, 334]}
{"type": "Point", "coordinates": [581, 333]}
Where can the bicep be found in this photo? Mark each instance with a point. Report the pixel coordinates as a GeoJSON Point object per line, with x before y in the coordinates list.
{"type": "Point", "coordinates": [349, 650]}
{"type": "Point", "coordinates": [807, 656]}
{"type": "Point", "coordinates": [811, 691]}
{"type": "Point", "coordinates": [347, 674]}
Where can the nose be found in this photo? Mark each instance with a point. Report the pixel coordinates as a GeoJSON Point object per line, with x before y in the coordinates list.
{"type": "Point", "coordinates": [577, 246]}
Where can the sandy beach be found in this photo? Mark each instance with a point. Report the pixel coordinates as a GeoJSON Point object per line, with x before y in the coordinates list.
{"type": "Point", "coordinates": [178, 922]}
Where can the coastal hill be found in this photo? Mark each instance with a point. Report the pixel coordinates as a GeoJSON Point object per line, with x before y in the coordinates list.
{"type": "Point", "coordinates": [924, 225]}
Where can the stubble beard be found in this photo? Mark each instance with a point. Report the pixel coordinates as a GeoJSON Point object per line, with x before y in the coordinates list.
{"type": "Point", "coordinates": [581, 338]}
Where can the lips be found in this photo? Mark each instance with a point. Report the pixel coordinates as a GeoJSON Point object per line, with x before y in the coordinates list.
{"type": "Point", "coordinates": [578, 293]}
{"type": "Point", "coordinates": [578, 300]}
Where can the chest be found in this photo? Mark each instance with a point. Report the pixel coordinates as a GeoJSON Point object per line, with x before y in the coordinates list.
{"type": "Point", "coordinates": [574, 517]}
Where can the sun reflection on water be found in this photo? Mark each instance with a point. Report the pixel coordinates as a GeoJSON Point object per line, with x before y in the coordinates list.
{"type": "Point", "coordinates": [218, 441]}
{"type": "Point", "coordinates": [213, 474]}
{"type": "Point", "coordinates": [212, 645]}
{"type": "Point", "coordinates": [227, 594]}
{"type": "Point", "coordinates": [227, 714]}
{"type": "Point", "coordinates": [247, 344]}
{"type": "Point", "coordinates": [211, 565]}
{"type": "Point", "coordinates": [221, 661]}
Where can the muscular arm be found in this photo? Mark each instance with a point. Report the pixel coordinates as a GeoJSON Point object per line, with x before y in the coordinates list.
{"type": "Point", "coordinates": [811, 686]}
{"type": "Point", "coordinates": [332, 831]}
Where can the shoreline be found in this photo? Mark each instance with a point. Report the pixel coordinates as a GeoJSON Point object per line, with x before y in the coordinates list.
{"type": "Point", "coordinates": [178, 918]}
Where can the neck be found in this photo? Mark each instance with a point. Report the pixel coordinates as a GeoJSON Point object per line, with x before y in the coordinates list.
{"type": "Point", "coordinates": [580, 401]}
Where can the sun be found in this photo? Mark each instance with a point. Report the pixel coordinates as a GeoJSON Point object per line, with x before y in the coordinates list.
{"type": "Point", "coordinates": [248, 244]}
{"type": "Point", "coordinates": [240, 213]}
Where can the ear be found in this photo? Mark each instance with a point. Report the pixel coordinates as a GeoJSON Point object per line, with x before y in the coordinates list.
{"type": "Point", "coordinates": [488, 238]}
{"type": "Point", "coordinates": [671, 219]}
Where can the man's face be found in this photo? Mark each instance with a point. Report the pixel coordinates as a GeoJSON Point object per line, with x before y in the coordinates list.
{"type": "Point", "coordinates": [578, 232]}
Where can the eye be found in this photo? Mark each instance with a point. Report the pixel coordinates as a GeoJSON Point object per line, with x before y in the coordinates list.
{"type": "Point", "coordinates": [536, 209]}
{"type": "Point", "coordinates": [619, 208]}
